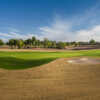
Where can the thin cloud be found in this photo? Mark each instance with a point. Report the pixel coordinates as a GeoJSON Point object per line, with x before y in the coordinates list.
{"type": "Point", "coordinates": [63, 32]}
{"type": "Point", "coordinates": [80, 28]}
{"type": "Point", "coordinates": [83, 27]}
{"type": "Point", "coordinates": [86, 35]}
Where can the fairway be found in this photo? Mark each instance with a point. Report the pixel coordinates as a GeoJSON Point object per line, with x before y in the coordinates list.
{"type": "Point", "coordinates": [49, 76]}
{"type": "Point", "coordinates": [22, 60]}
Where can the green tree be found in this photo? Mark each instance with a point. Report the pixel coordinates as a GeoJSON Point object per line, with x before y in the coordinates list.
{"type": "Point", "coordinates": [34, 41]}
{"type": "Point", "coordinates": [11, 43]}
{"type": "Point", "coordinates": [54, 44]}
{"type": "Point", "coordinates": [61, 45]}
{"type": "Point", "coordinates": [28, 43]}
{"type": "Point", "coordinates": [45, 43]}
{"type": "Point", "coordinates": [20, 44]}
{"type": "Point", "coordinates": [92, 42]}
{"type": "Point", "coordinates": [76, 44]}
{"type": "Point", "coordinates": [49, 44]}
{"type": "Point", "coordinates": [1, 43]}
{"type": "Point", "coordinates": [37, 43]}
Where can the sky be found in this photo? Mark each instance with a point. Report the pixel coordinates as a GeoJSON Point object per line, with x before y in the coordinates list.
{"type": "Point", "coordinates": [60, 20]}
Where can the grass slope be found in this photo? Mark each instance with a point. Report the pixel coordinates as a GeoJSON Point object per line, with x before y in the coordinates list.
{"type": "Point", "coordinates": [22, 60]}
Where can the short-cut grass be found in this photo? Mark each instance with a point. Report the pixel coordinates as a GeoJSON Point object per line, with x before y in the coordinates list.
{"type": "Point", "coordinates": [22, 60]}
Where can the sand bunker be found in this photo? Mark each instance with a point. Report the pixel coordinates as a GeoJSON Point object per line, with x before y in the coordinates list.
{"type": "Point", "coordinates": [84, 60]}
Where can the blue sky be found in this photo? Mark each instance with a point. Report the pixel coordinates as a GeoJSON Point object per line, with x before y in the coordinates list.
{"type": "Point", "coordinates": [61, 20]}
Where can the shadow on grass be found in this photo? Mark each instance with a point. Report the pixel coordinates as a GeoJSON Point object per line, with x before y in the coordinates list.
{"type": "Point", "coordinates": [12, 63]}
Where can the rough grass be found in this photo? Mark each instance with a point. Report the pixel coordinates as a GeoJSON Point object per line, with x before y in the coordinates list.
{"type": "Point", "coordinates": [22, 60]}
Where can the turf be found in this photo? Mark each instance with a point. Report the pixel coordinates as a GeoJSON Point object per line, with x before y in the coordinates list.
{"type": "Point", "coordinates": [22, 60]}
{"type": "Point", "coordinates": [58, 80]}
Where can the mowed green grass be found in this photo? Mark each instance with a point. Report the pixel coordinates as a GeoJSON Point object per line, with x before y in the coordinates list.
{"type": "Point", "coordinates": [22, 60]}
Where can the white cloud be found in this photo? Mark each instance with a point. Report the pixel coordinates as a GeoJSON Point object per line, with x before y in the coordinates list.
{"type": "Point", "coordinates": [61, 30]}
{"type": "Point", "coordinates": [86, 35]}
{"type": "Point", "coordinates": [58, 30]}
{"type": "Point", "coordinates": [80, 28]}
{"type": "Point", "coordinates": [6, 36]}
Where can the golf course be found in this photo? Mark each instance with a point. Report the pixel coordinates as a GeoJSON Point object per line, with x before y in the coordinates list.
{"type": "Point", "coordinates": [24, 60]}
{"type": "Point", "coordinates": [38, 75]}
{"type": "Point", "coordinates": [49, 49]}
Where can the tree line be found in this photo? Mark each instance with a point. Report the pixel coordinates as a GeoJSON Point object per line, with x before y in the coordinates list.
{"type": "Point", "coordinates": [35, 43]}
